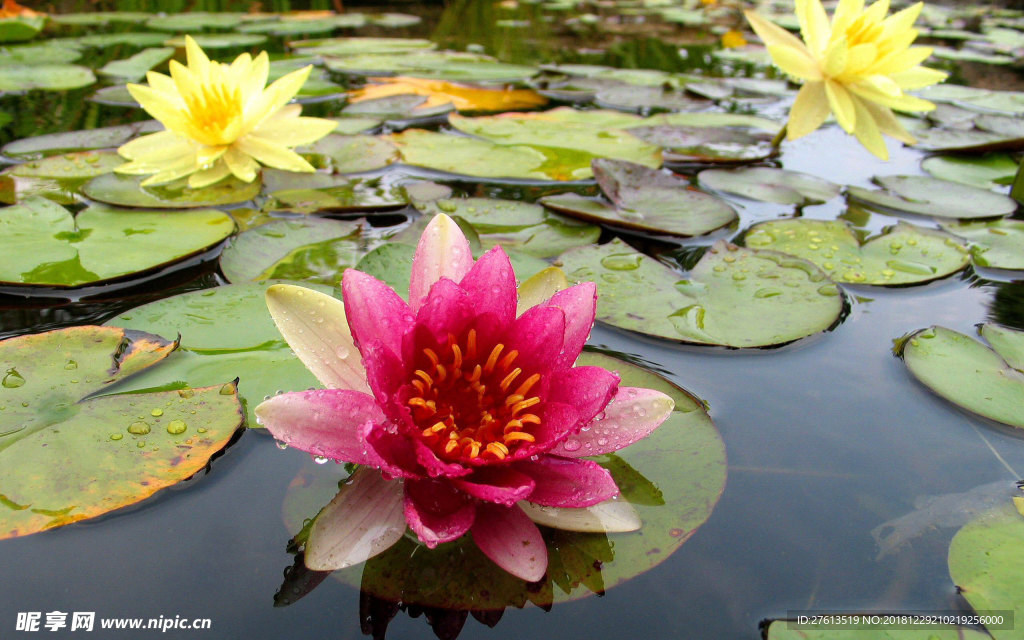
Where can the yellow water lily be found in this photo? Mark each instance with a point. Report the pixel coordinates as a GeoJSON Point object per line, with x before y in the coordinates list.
{"type": "Point", "coordinates": [857, 67]}
{"type": "Point", "coordinates": [220, 120]}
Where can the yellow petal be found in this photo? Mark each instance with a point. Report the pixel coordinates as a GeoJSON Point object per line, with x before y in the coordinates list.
{"type": "Point", "coordinates": [772, 34]}
{"type": "Point", "coordinates": [794, 62]}
{"type": "Point", "coordinates": [254, 78]}
{"type": "Point", "coordinates": [206, 177]}
{"type": "Point", "coordinates": [887, 122]}
{"type": "Point", "coordinates": [883, 84]}
{"type": "Point", "coordinates": [163, 84]}
{"type": "Point", "coordinates": [276, 96]}
{"type": "Point", "coordinates": [814, 26]}
{"type": "Point", "coordinates": [158, 106]}
{"type": "Point", "coordinates": [294, 132]}
{"type": "Point", "coordinates": [835, 57]}
{"type": "Point", "coordinates": [846, 12]}
{"type": "Point", "coordinates": [901, 20]}
{"type": "Point", "coordinates": [162, 144]}
{"type": "Point", "coordinates": [172, 172]}
{"type": "Point", "coordinates": [867, 132]}
{"type": "Point", "coordinates": [272, 155]}
{"type": "Point", "coordinates": [918, 78]}
{"type": "Point", "coordinates": [902, 60]}
{"type": "Point", "coordinates": [876, 11]}
{"type": "Point", "coordinates": [242, 166]}
{"type": "Point", "coordinates": [206, 156]}
{"type": "Point", "coordinates": [194, 55]}
{"type": "Point", "coordinates": [809, 110]}
{"type": "Point", "coordinates": [841, 103]}
{"type": "Point", "coordinates": [901, 103]}
{"type": "Point", "coordinates": [860, 57]}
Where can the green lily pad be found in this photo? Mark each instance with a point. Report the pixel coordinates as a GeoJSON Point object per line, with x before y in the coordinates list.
{"type": "Point", "coordinates": [997, 245]}
{"type": "Point", "coordinates": [135, 67]}
{"type": "Point", "coordinates": [355, 46]}
{"type": "Point", "coordinates": [78, 165]}
{"type": "Point", "coordinates": [224, 331]}
{"type": "Point", "coordinates": [20, 28]}
{"type": "Point", "coordinates": [986, 562]}
{"type": "Point", "coordinates": [68, 455]}
{"type": "Point", "coordinates": [287, 28]}
{"type": "Point", "coordinates": [476, 158]}
{"type": "Point", "coordinates": [734, 297]}
{"type": "Point", "coordinates": [306, 249]}
{"type": "Point", "coordinates": [673, 478]}
{"type": "Point", "coordinates": [220, 40]}
{"type": "Point", "coordinates": [902, 254]}
{"type": "Point", "coordinates": [115, 96]}
{"type": "Point", "coordinates": [712, 119]}
{"type": "Point", "coordinates": [966, 372]}
{"type": "Point", "coordinates": [520, 226]}
{"type": "Point", "coordinates": [769, 184]}
{"type": "Point", "coordinates": [965, 141]}
{"type": "Point", "coordinates": [48, 77]}
{"type": "Point", "coordinates": [628, 97]}
{"type": "Point", "coordinates": [403, 107]}
{"type": "Point", "coordinates": [989, 171]}
{"type": "Point", "coordinates": [194, 22]}
{"type": "Point", "coordinates": [350, 154]}
{"type": "Point", "coordinates": [54, 143]}
{"type": "Point", "coordinates": [49, 247]}
{"type": "Point", "coordinates": [394, 20]}
{"type": "Point", "coordinates": [313, 192]}
{"type": "Point", "coordinates": [36, 54]}
{"type": "Point", "coordinates": [646, 199]}
{"type": "Point", "coordinates": [584, 140]}
{"type": "Point", "coordinates": [354, 125]}
{"type": "Point", "coordinates": [99, 18]}
{"type": "Point", "coordinates": [106, 41]}
{"type": "Point", "coordinates": [125, 191]}
{"type": "Point", "coordinates": [706, 144]}
{"type": "Point", "coordinates": [934, 197]}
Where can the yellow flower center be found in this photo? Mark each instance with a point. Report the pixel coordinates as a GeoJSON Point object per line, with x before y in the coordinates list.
{"type": "Point", "coordinates": [215, 109]}
{"type": "Point", "coordinates": [471, 404]}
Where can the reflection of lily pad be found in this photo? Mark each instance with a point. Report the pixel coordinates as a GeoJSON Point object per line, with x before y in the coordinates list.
{"type": "Point", "coordinates": [646, 200]}
{"type": "Point", "coordinates": [734, 297]}
{"type": "Point", "coordinates": [706, 144]}
{"type": "Point", "coordinates": [998, 244]}
{"type": "Point", "coordinates": [521, 226]}
{"type": "Point", "coordinates": [125, 191]}
{"type": "Point", "coordinates": [966, 372]}
{"type": "Point", "coordinates": [310, 193]}
{"type": "Point", "coordinates": [68, 456]}
{"type": "Point", "coordinates": [934, 197]}
{"type": "Point", "coordinates": [673, 478]}
{"type": "Point", "coordinates": [306, 249]}
{"type": "Point", "coordinates": [224, 331]}
{"type": "Point", "coordinates": [986, 561]}
{"type": "Point", "coordinates": [46, 246]}
{"type": "Point", "coordinates": [769, 184]}
{"type": "Point", "coordinates": [903, 254]}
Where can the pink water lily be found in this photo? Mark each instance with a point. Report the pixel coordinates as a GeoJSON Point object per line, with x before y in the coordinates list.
{"type": "Point", "coordinates": [466, 413]}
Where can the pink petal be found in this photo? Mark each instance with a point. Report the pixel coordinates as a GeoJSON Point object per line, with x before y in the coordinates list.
{"type": "Point", "coordinates": [502, 485]}
{"type": "Point", "coordinates": [434, 466]}
{"type": "Point", "coordinates": [511, 540]}
{"type": "Point", "coordinates": [447, 309]}
{"type": "Point", "coordinates": [374, 311]}
{"type": "Point", "coordinates": [436, 511]}
{"type": "Point", "coordinates": [491, 285]}
{"type": "Point", "coordinates": [364, 519]}
{"type": "Point", "coordinates": [325, 422]}
{"type": "Point", "coordinates": [632, 414]}
{"type": "Point", "coordinates": [315, 327]}
{"type": "Point", "coordinates": [557, 422]}
{"type": "Point", "coordinates": [588, 389]}
{"type": "Point", "coordinates": [579, 304]}
{"type": "Point", "coordinates": [396, 454]}
{"type": "Point", "coordinates": [538, 336]}
{"type": "Point", "coordinates": [443, 252]}
{"type": "Point", "coordinates": [386, 375]}
{"type": "Point", "coordinates": [568, 482]}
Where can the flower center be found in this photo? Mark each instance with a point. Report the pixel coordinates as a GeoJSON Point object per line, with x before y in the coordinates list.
{"type": "Point", "coordinates": [471, 404]}
{"type": "Point", "coordinates": [214, 108]}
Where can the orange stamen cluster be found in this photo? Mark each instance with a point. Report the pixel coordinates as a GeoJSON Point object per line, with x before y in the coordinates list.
{"type": "Point", "coordinates": [472, 403]}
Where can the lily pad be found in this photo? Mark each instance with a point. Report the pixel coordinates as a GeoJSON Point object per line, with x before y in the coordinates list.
{"type": "Point", "coordinates": [99, 18]}
{"type": "Point", "coordinates": [135, 67]}
{"type": "Point", "coordinates": [997, 245]}
{"type": "Point", "coordinates": [733, 297]}
{"type": "Point", "coordinates": [106, 41]}
{"type": "Point", "coordinates": [461, 155]}
{"type": "Point", "coordinates": [934, 197]}
{"type": "Point", "coordinates": [20, 28]}
{"type": "Point", "coordinates": [220, 41]}
{"type": "Point", "coordinates": [769, 184]}
{"type": "Point", "coordinates": [78, 165]}
{"type": "Point", "coordinates": [673, 479]}
{"type": "Point", "coordinates": [965, 141]}
{"type": "Point", "coordinates": [125, 191]}
{"type": "Point", "coordinates": [628, 97]}
{"type": "Point", "coordinates": [36, 54]}
{"type": "Point", "coordinates": [350, 154]}
{"type": "Point", "coordinates": [194, 22]}
{"type": "Point", "coordinates": [68, 455]}
{"type": "Point", "coordinates": [313, 192]}
{"type": "Point", "coordinates": [54, 143]}
{"type": "Point", "coordinates": [902, 254]}
{"type": "Point", "coordinates": [966, 372]}
{"type": "Point", "coordinates": [46, 246]}
{"type": "Point", "coordinates": [48, 77]}
{"type": "Point", "coordinates": [307, 250]}
{"type": "Point", "coordinates": [985, 172]}
{"type": "Point", "coordinates": [224, 331]}
{"type": "Point", "coordinates": [706, 144]}
{"type": "Point", "coordinates": [521, 226]}
{"type": "Point", "coordinates": [646, 199]}
{"type": "Point", "coordinates": [986, 562]}
{"type": "Point", "coordinates": [354, 46]}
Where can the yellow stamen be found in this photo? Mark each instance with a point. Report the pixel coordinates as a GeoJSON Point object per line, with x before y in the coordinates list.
{"type": "Point", "coordinates": [471, 344]}
{"type": "Point", "coordinates": [513, 399]}
{"type": "Point", "coordinates": [527, 385]}
{"type": "Point", "coordinates": [430, 354]}
{"type": "Point", "coordinates": [456, 356]}
{"type": "Point", "coordinates": [513, 425]}
{"type": "Point", "coordinates": [442, 373]}
{"type": "Point", "coordinates": [498, 450]}
{"type": "Point", "coordinates": [477, 372]}
{"type": "Point", "coordinates": [529, 418]}
{"type": "Point", "coordinates": [525, 404]}
{"type": "Point", "coordinates": [493, 358]}
{"type": "Point", "coordinates": [506, 362]}
{"type": "Point", "coordinates": [423, 375]}
{"type": "Point", "coordinates": [422, 388]}
{"type": "Point", "coordinates": [451, 446]}
{"type": "Point", "coordinates": [517, 436]}
{"type": "Point", "coordinates": [510, 378]}
{"type": "Point", "coordinates": [473, 450]}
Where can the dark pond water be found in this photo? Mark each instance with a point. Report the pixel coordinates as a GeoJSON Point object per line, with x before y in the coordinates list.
{"type": "Point", "coordinates": [827, 439]}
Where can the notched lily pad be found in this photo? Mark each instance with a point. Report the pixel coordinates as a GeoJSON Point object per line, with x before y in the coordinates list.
{"type": "Point", "coordinates": [685, 145]}
{"type": "Point", "coordinates": [68, 455]}
{"type": "Point", "coordinates": [933, 197]}
{"type": "Point", "coordinates": [733, 297]}
{"type": "Point", "coordinates": [350, 154]}
{"type": "Point", "coordinates": [902, 254]}
{"type": "Point", "coordinates": [645, 199]}
{"type": "Point", "coordinates": [967, 373]}
{"type": "Point", "coordinates": [125, 191]}
{"type": "Point", "coordinates": [769, 184]}
{"type": "Point", "coordinates": [996, 245]}
{"type": "Point", "coordinates": [46, 246]}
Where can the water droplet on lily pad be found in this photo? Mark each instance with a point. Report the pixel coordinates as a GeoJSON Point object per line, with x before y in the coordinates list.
{"type": "Point", "coordinates": [156, 413]}
{"type": "Point", "coordinates": [13, 379]}
{"type": "Point", "coordinates": [176, 427]}
{"type": "Point", "coordinates": [622, 261]}
{"type": "Point", "coordinates": [139, 428]}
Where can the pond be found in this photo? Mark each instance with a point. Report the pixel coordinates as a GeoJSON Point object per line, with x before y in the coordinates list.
{"type": "Point", "coordinates": [828, 478]}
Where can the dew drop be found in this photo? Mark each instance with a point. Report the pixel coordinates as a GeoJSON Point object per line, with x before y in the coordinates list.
{"type": "Point", "coordinates": [71, 364]}
{"type": "Point", "coordinates": [156, 413]}
{"type": "Point", "coordinates": [176, 427]}
{"type": "Point", "coordinates": [139, 428]}
{"type": "Point", "coordinates": [320, 459]}
{"type": "Point", "coordinates": [13, 379]}
{"type": "Point", "coordinates": [621, 262]}
{"type": "Point", "coordinates": [572, 444]}
{"type": "Point", "coordinates": [116, 436]}
{"type": "Point", "coordinates": [281, 445]}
